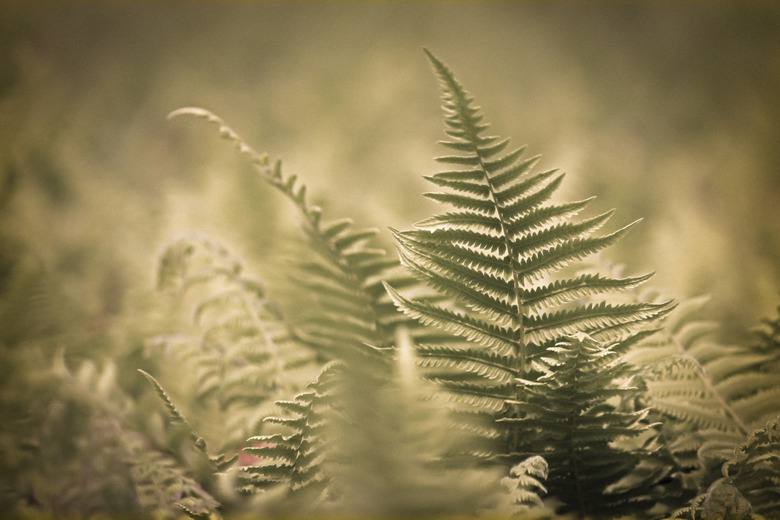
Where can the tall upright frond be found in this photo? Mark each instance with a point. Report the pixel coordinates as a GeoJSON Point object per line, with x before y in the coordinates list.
{"type": "Point", "coordinates": [501, 262]}
{"type": "Point", "coordinates": [496, 254]}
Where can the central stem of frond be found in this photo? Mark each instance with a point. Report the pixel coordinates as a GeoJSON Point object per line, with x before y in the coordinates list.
{"type": "Point", "coordinates": [517, 305]}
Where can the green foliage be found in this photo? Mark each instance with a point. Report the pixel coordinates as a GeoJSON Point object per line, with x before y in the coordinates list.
{"type": "Point", "coordinates": [517, 379]}
{"type": "Point", "coordinates": [241, 352]}
{"type": "Point", "coordinates": [294, 459]}
{"type": "Point", "coordinates": [343, 277]}
{"type": "Point", "coordinates": [545, 365]}
{"type": "Point", "coordinates": [524, 485]}
{"type": "Point", "coordinates": [749, 486]}
{"type": "Point", "coordinates": [714, 387]}
{"type": "Point", "coordinates": [495, 255]}
{"type": "Point", "coordinates": [82, 454]}
{"type": "Point", "coordinates": [589, 444]}
{"type": "Point", "coordinates": [352, 320]}
{"type": "Point", "coordinates": [164, 490]}
{"type": "Point", "coordinates": [500, 258]}
{"type": "Point", "coordinates": [707, 397]}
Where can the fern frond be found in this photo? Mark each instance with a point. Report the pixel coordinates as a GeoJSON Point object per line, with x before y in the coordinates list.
{"type": "Point", "coordinates": [707, 394]}
{"type": "Point", "coordinates": [490, 255]}
{"type": "Point", "coordinates": [240, 351]}
{"type": "Point", "coordinates": [498, 260]}
{"type": "Point", "coordinates": [293, 461]}
{"type": "Point", "coordinates": [524, 486]}
{"type": "Point", "coordinates": [750, 482]}
{"type": "Point", "coordinates": [729, 388]}
{"type": "Point", "coordinates": [345, 270]}
{"type": "Point", "coordinates": [161, 486]}
{"type": "Point", "coordinates": [198, 441]}
{"type": "Point", "coordinates": [573, 426]}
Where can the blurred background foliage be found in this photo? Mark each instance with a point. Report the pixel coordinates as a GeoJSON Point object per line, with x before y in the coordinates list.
{"type": "Point", "coordinates": [666, 111]}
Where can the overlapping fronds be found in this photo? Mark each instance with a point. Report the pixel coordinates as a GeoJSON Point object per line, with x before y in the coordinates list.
{"type": "Point", "coordinates": [569, 418]}
{"type": "Point", "coordinates": [708, 397]}
{"type": "Point", "coordinates": [750, 486]}
{"type": "Point", "coordinates": [392, 444]}
{"type": "Point", "coordinates": [548, 367]}
{"type": "Point", "coordinates": [84, 457]}
{"type": "Point", "coordinates": [164, 490]}
{"type": "Point", "coordinates": [349, 306]}
{"type": "Point", "coordinates": [365, 439]}
{"type": "Point", "coordinates": [499, 258]}
{"type": "Point", "coordinates": [238, 348]}
{"type": "Point", "coordinates": [718, 393]}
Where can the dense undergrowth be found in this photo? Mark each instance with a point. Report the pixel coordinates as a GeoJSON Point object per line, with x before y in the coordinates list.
{"type": "Point", "coordinates": [497, 365]}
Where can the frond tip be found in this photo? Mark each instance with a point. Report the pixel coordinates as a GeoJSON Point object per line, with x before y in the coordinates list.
{"type": "Point", "coordinates": [199, 442]}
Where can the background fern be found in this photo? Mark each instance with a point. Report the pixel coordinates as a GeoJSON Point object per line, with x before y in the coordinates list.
{"type": "Point", "coordinates": [343, 280]}
{"type": "Point", "coordinates": [353, 321]}
{"type": "Point", "coordinates": [70, 162]}
{"type": "Point", "coordinates": [237, 350]}
{"type": "Point", "coordinates": [292, 458]}
{"type": "Point", "coordinates": [709, 396]}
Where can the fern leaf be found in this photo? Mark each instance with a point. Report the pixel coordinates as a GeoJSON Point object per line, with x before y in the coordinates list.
{"type": "Point", "coordinates": [750, 479]}
{"type": "Point", "coordinates": [488, 255]}
{"type": "Point", "coordinates": [347, 266]}
{"type": "Point", "coordinates": [498, 261]}
{"type": "Point", "coordinates": [162, 487]}
{"type": "Point", "coordinates": [240, 351]}
{"type": "Point", "coordinates": [292, 461]}
{"type": "Point", "coordinates": [482, 362]}
{"type": "Point", "coordinates": [577, 429]}
{"type": "Point", "coordinates": [730, 388]}
{"type": "Point", "coordinates": [198, 441]}
{"type": "Point", "coordinates": [524, 486]}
